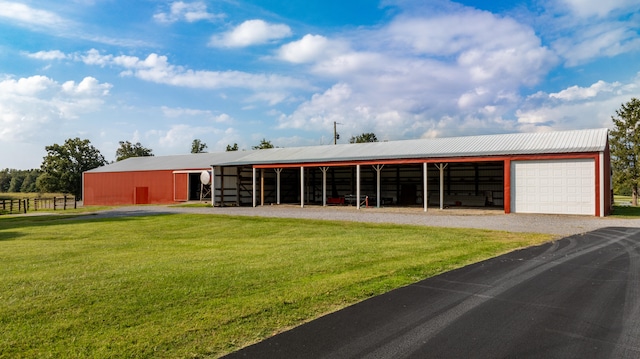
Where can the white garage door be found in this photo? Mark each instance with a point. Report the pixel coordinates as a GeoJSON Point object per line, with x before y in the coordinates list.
{"type": "Point", "coordinates": [558, 186]}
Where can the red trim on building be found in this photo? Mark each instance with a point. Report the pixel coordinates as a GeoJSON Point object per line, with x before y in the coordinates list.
{"type": "Point", "coordinates": [598, 201]}
{"type": "Point", "coordinates": [506, 201]}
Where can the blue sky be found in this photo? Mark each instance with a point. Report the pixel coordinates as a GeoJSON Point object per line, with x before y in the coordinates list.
{"type": "Point", "coordinates": [163, 73]}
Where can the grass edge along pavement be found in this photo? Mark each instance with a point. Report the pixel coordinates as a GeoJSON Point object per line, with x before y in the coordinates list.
{"type": "Point", "coordinates": [190, 285]}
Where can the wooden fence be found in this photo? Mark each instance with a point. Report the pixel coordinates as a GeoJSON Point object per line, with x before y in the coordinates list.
{"type": "Point", "coordinates": [14, 206]}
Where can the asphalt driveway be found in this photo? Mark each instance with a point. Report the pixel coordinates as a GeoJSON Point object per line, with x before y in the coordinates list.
{"type": "Point", "coordinates": [578, 297]}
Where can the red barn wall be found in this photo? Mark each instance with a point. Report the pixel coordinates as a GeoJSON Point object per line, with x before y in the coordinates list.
{"type": "Point", "coordinates": [123, 188]}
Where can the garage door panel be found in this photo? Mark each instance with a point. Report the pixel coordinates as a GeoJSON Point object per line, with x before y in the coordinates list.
{"type": "Point", "coordinates": [553, 186]}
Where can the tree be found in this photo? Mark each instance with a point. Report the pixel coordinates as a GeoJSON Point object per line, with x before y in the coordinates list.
{"type": "Point", "coordinates": [365, 137]}
{"type": "Point", "coordinates": [625, 147]}
{"type": "Point", "coordinates": [198, 146]}
{"type": "Point", "coordinates": [127, 150]}
{"type": "Point", "coordinates": [29, 183]}
{"type": "Point", "coordinates": [232, 148]}
{"type": "Point", "coordinates": [5, 180]}
{"type": "Point", "coordinates": [264, 144]}
{"type": "Point", "coordinates": [16, 181]}
{"type": "Point", "coordinates": [63, 166]}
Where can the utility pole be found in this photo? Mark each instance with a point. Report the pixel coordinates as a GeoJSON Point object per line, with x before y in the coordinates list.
{"type": "Point", "coordinates": [336, 136]}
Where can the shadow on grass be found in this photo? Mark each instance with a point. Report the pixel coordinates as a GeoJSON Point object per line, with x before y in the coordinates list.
{"type": "Point", "coordinates": [16, 222]}
{"type": "Point", "coordinates": [626, 212]}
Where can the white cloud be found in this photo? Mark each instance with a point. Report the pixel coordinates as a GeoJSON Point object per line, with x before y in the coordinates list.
{"type": "Point", "coordinates": [180, 137]}
{"type": "Point", "coordinates": [29, 86]}
{"type": "Point", "coordinates": [443, 73]}
{"type": "Point", "coordinates": [576, 107]}
{"type": "Point", "coordinates": [587, 8]}
{"type": "Point", "coordinates": [156, 68]}
{"type": "Point", "coordinates": [251, 32]}
{"type": "Point", "coordinates": [485, 45]}
{"type": "Point", "coordinates": [180, 112]}
{"type": "Point", "coordinates": [25, 14]}
{"type": "Point", "coordinates": [190, 12]}
{"type": "Point", "coordinates": [29, 105]}
{"type": "Point", "coordinates": [594, 40]}
{"type": "Point", "coordinates": [48, 55]}
{"type": "Point", "coordinates": [89, 86]}
{"type": "Point", "coordinates": [581, 93]}
{"type": "Point", "coordinates": [308, 49]}
{"type": "Point", "coordinates": [581, 31]}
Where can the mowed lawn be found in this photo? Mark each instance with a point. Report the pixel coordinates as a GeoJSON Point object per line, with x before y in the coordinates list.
{"type": "Point", "coordinates": [172, 286]}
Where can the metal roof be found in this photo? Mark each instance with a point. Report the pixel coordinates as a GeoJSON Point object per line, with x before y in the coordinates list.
{"type": "Point", "coordinates": [199, 161]}
{"type": "Point", "coordinates": [577, 141]}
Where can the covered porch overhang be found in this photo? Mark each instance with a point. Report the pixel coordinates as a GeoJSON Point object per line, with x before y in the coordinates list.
{"type": "Point", "coordinates": [439, 180]}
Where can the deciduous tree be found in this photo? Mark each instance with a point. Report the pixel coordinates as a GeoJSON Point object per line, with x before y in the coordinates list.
{"type": "Point", "coordinates": [264, 144]}
{"type": "Point", "coordinates": [198, 146]}
{"type": "Point", "coordinates": [63, 166]}
{"type": "Point", "coordinates": [127, 149]}
{"type": "Point", "coordinates": [232, 148]}
{"type": "Point", "coordinates": [365, 137]}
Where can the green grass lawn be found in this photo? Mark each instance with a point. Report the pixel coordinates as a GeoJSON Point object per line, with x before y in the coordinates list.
{"type": "Point", "coordinates": [623, 209]}
{"type": "Point", "coordinates": [171, 286]}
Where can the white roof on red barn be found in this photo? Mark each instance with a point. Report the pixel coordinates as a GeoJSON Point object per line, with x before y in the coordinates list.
{"type": "Point", "coordinates": [559, 142]}
{"type": "Point", "coordinates": [198, 161]}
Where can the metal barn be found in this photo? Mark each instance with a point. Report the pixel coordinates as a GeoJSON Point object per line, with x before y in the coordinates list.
{"type": "Point", "coordinates": [565, 172]}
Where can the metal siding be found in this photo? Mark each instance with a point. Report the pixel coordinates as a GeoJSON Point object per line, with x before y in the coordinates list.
{"type": "Point", "coordinates": [109, 189]}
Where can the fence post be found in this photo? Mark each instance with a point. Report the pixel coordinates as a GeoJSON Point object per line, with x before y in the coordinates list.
{"type": "Point", "coordinates": [75, 202]}
{"type": "Point", "coordinates": [64, 205]}
{"type": "Point", "coordinates": [25, 206]}
{"type": "Point", "coordinates": [54, 203]}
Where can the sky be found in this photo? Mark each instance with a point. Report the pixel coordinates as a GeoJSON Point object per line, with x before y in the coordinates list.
{"type": "Point", "coordinates": [164, 73]}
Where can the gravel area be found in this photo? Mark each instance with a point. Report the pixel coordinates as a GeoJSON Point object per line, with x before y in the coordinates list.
{"type": "Point", "coordinates": [560, 225]}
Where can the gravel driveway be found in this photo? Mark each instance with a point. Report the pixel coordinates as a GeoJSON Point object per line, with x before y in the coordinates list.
{"type": "Point", "coordinates": [560, 225]}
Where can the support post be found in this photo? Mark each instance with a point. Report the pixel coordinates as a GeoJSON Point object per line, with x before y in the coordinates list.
{"type": "Point", "coordinates": [358, 186]}
{"type": "Point", "coordinates": [425, 193]}
{"type": "Point", "coordinates": [261, 187]}
{"type": "Point", "coordinates": [253, 186]}
{"type": "Point", "coordinates": [278, 172]}
{"type": "Point", "coordinates": [441, 167]}
{"type": "Point", "coordinates": [378, 169]}
{"type": "Point", "coordinates": [301, 187]}
{"type": "Point", "coordinates": [324, 185]}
